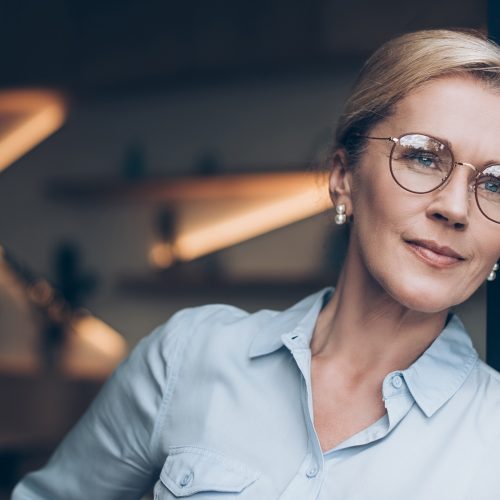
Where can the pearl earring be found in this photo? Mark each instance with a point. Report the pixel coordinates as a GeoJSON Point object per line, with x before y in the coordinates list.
{"type": "Point", "coordinates": [340, 216]}
{"type": "Point", "coordinates": [493, 274]}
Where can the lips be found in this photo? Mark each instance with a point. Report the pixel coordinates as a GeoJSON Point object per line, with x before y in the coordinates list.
{"type": "Point", "coordinates": [433, 254]}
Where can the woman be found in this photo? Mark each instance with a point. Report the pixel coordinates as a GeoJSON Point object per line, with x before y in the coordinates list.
{"type": "Point", "coordinates": [373, 391]}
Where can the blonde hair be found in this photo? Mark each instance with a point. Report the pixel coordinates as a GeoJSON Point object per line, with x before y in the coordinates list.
{"type": "Point", "coordinates": [403, 64]}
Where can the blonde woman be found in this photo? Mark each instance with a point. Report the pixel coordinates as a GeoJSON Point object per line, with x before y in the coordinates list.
{"type": "Point", "coordinates": [370, 391]}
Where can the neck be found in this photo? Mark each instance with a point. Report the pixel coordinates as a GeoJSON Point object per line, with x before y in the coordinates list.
{"type": "Point", "coordinates": [365, 331]}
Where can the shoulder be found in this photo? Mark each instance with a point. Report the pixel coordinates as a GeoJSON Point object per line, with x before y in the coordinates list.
{"type": "Point", "coordinates": [483, 395]}
{"type": "Point", "coordinates": [221, 326]}
{"type": "Point", "coordinates": [205, 328]}
{"type": "Point", "coordinates": [488, 379]}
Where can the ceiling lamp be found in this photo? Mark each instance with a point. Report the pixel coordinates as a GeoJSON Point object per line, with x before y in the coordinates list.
{"type": "Point", "coordinates": [27, 117]}
{"type": "Point", "coordinates": [249, 219]}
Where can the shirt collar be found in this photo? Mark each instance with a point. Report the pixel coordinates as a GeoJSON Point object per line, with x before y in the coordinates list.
{"type": "Point", "coordinates": [299, 319]}
{"type": "Point", "coordinates": [442, 369]}
{"type": "Point", "coordinates": [432, 379]}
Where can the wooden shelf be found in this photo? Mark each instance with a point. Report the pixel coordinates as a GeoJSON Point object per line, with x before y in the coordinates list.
{"type": "Point", "coordinates": [216, 287]}
{"type": "Point", "coordinates": [185, 189]}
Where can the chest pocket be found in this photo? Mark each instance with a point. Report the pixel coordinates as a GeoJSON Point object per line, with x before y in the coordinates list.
{"type": "Point", "coordinates": [195, 472]}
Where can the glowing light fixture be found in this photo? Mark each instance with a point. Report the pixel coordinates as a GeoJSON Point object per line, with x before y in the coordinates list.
{"type": "Point", "coordinates": [161, 254]}
{"type": "Point", "coordinates": [27, 117]}
{"type": "Point", "coordinates": [94, 348]}
{"type": "Point", "coordinates": [203, 214]}
{"type": "Point", "coordinates": [91, 348]}
{"type": "Point", "coordinates": [201, 231]}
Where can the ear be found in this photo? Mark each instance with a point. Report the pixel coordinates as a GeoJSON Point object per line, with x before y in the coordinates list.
{"type": "Point", "coordinates": [341, 181]}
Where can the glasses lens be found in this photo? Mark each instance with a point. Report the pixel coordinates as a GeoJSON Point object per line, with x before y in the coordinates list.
{"type": "Point", "coordinates": [419, 163]}
{"type": "Point", "coordinates": [488, 192]}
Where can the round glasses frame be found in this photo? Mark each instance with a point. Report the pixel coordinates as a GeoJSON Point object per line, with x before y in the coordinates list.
{"type": "Point", "coordinates": [395, 141]}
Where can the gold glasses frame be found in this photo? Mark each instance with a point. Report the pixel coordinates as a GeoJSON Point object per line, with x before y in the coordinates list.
{"type": "Point", "coordinates": [479, 176]}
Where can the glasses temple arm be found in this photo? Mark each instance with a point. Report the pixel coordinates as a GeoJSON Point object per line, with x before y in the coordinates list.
{"type": "Point", "coordinates": [391, 139]}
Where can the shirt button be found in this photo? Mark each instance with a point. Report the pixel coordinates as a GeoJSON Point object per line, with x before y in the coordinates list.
{"type": "Point", "coordinates": [397, 381]}
{"type": "Point", "coordinates": [312, 472]}
{"type": "Point", "coordinates": [186, 480]}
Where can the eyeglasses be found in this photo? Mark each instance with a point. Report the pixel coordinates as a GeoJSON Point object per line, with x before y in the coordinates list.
{"type": "Point", "coordinates": [421, 164]}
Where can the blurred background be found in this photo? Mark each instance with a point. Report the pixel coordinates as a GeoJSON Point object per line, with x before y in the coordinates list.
{"type": "Point", "coordinates": [156, 155]}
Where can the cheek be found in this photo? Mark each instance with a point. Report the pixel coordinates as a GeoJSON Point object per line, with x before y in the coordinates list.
{"type": "Point", "coordinates": [487, 249]}
{"type": "Point", "coordinates": [496, 246]}
{"type": "Point", "coordinates": [383, 214]}
{"type": "Point", "coordinates": [380, 206]}
{"type": "Point", "coordinates": [368, 200]}
{"type": "Point", "coordinates": [377, 224]}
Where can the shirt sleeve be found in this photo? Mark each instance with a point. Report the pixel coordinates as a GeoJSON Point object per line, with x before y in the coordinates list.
{"type": "Point", "coordinates": [113, 452]}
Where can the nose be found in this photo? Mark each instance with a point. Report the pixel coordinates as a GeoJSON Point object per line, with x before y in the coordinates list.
{"type": "Point", "coordinates": [450, 204]}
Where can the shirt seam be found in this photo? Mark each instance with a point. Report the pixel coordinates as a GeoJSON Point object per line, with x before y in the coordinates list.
{"type": "Point", "coordinates": [171, 380]}
{"type": "Point", "coordinates": [488, 370]}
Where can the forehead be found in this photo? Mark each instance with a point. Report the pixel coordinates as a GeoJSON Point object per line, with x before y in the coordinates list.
{"type": "Point", "coordinates": [460, 110]}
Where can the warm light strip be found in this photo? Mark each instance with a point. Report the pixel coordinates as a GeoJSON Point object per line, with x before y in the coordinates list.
{"type": "Point", "coordinates": [46, 115]}
{"type": "Point", "coordinates": [100, 336]}
{"type": "Point", "coordinates": [243, 225]}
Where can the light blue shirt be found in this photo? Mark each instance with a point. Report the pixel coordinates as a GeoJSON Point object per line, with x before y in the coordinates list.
{"type": "Point", "coordinates": [217, 404]}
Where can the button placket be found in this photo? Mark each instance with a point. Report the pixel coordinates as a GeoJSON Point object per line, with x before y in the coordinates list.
{"type": "Point", "coordinates": [312, 472]}
{"type": "Point", "coordinates": [300, 351]}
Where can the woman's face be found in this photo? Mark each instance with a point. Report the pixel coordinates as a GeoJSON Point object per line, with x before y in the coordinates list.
{"type": "Point", "coordinates": [428, 251]}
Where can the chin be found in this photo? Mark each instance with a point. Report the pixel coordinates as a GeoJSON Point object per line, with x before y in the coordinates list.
{"type": "Point", "coordinates": [426, 295]}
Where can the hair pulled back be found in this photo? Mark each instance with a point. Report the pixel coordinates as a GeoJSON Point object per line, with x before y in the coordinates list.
{"type": "Point", "coordinates": [404, 63]}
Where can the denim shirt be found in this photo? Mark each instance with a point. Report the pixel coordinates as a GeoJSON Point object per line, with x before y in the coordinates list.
{"type": "Point", "coordinates": [217, 404]}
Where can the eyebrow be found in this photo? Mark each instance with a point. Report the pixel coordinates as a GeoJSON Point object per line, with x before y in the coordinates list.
{"type": "Point", "coordinates": [483, 166]}
{"type": "Point", "coordinates": [491, 163]}
{"type": "Point", "coordinates": [446, 142]}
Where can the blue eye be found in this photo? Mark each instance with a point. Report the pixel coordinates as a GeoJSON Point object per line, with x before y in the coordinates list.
{"type": "Point", "coordinates": [421, 158]}
{"type": "Point", "coordinates": [491, 186]}
{"type": "Point", "coordinates": [425, 160]}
